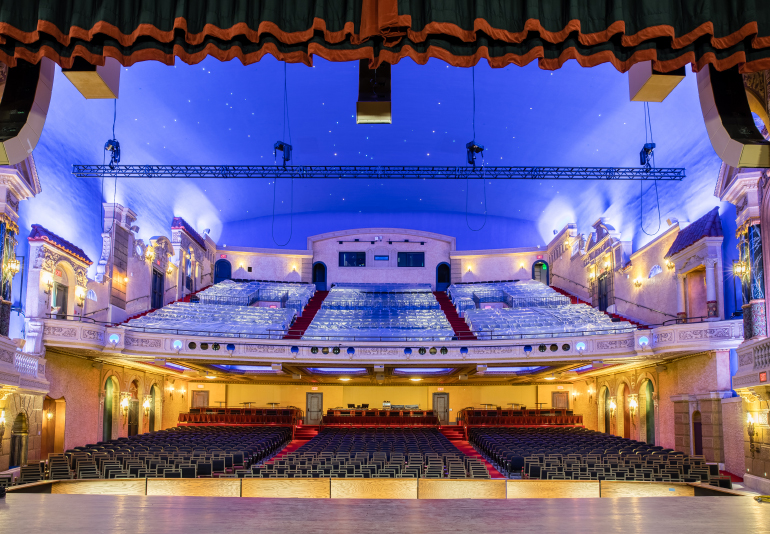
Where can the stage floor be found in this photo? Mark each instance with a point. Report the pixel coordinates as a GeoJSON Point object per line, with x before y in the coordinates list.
{"type": "Point", "coordinates": [64, 514]}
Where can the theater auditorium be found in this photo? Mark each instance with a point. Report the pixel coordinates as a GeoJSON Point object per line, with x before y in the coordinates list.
{"type": "Point", "coordinates": [384, 266]}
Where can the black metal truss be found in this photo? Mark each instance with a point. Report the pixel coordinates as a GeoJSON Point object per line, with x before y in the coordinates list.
{"type": "Point", "coordinates": [382, 172]}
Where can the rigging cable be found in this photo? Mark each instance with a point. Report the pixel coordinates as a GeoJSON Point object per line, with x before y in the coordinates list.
{"type": "Point", "coordinates": [467, 176]}
{"type": "Point", "coordinates": [275, 180]}
{"type": "Point", "coordinates": [648, 125]}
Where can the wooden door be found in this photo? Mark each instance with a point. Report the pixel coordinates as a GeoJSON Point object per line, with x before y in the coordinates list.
{"type": "Point", "coordinates": [133, 418]}
{"type": "Point", "coordinates": [314, 408]}
{"type": "Point", "coordinates": [560, 400]}
{"type": "Point", "coordinates": [200, 399]}
{"type": "Point", "coordinates": [441, 407]}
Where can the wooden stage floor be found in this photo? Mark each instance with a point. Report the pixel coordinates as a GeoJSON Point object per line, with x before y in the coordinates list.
{"type": "Point", "coordinates": [64, 514]}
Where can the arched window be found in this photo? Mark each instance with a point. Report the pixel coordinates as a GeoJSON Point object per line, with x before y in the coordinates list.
{"type": "Point", "coordinates": [655, 271]}
{"type": "Point", "coordinates": [91, 295]}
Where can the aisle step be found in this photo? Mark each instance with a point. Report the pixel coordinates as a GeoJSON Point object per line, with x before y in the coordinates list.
{"type": "Point", "coordinates": [300, 325]}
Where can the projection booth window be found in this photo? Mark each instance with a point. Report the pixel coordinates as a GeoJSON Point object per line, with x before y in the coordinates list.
{"type": "Point", "coordinates": [352, 259]}
{"type": "Point", "coordinates": [411, 259]}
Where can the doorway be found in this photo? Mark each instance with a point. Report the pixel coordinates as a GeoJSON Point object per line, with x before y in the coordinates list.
{"type": "Point", "coordinates": [649, 412]}
{"type": "Point", "coordinates": [223, 270]}
{"type": "Point", "coordinates": [697, 434]}
{"type": "Point", "coordinates": [315, 406]}
{"type": "Point", "coordinates": [607, 413]}
{"type": "Point", "coordinates": [200, 399]}
{"type": "Point", "coordinates": [319, 275]}
{"type": "Point", "coordinates": [19, 440]}
{"type": "Point", "coordinates": [109, 393]}
{"type": "Point", "coordinates": [441, 407]}
{"type": "Point", "coordinates": [443, 277]}
{"type": "Point", "coordinates": [603, 292]}
{"type": "Point", "coordinates": [60, 300]}
{"type": "Point", "coordinates": [153, 400]}
{"type": "Point", "coordinates": [560, 400]}
{"type": "Point", "coordinates": [540, 272]}
{"type": "Point", "coordinates": [156, 300]}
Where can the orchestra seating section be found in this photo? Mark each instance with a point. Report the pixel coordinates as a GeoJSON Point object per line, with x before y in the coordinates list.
{"type": "Point", "coordinates": [522, 417]}
{"type": "Point", "coordinates": [182, 452]}
{"type": "Point", "coordinates": [370, 453]}
{"type": "Point", "coordinates": [370, 312]}
{"type": "Point", "coordinates": [192, 318]}
{"type": "Point", "coordinates": [574, 453]}
{"type": "Point", "coordinates": [294, 296]}
{"type": "Point", "coordinates": [532, 310]}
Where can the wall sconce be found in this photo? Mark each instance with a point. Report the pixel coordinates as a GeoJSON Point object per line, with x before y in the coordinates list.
{"type": "Point", "coordinates": [149, 253]}
{"type": "Point", "coordinates": [294, 268]}
{"type": "Point", "coordinates": [124, 403]}
{"type": "Point", "coordinates": [607, 264]}
{"type": "Point", "coordinates": [2, 429]}
{"type": "Point", "coordinates": [590, 395]}
{"type": "Point", "coordinates": [169, 270]}
{"type": "Point", "coordinates": [80, 296]}
{"type": "Point", "coordinates": [638, 282]}
{"type": "Point", "coordinates": [125, 279]}
{"type": "Point", "coordinates": [670, 265]}
{"type": "Point", "coordinates": [13, 266]}
{"type": "Point", "coordinates": [48, 286]}
{"type": "Point", "coordinates": [633, 404]}
{"type": "Point", "coordinates": [591, 275]}
{"type": "Point", "coordinates": [740, 269]}
{"type": "Point", "coordinates": [181, 391]}
{"type": "Point", "coordinates": [612, 408]}
{"type": "Point", "coordinates": [49, 415]}
{"type": "Point", "coordinates": [750, 429]}
{"type": "Point", "coordinates": [469, 268]}
{"type": "Point", "coordinates": [146, 404]}
{"type": "Point", "coordinates": [575, 396]}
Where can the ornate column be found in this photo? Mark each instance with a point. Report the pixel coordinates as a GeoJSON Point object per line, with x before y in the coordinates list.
{"type": "Point", "coordinates": [681, 311]}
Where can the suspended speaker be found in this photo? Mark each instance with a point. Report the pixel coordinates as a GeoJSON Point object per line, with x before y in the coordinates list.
{"type": "Point", "coordinates": [95, 81]}
{"type": "Point", "coordinates": [728, 119]}
{"type": "Point", "coordinates": [25, 93]}
{"type": "Point", "coordinates": [645, 84]}
{"type": "Point", "coordinates": [373, 106]}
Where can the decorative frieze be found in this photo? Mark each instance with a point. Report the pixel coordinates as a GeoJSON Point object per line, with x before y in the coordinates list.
{"type": "Point", "coordinates": [264, 349]}
{"type": "Point", "coordinates": [615, 344]}
{"type": "Point", "coordinates": [141, 342]}
{"type": "Point", "coordinates": [60, 331]}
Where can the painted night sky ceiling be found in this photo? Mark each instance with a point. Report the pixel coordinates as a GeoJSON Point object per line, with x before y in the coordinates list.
{"type": "Point", "coordinates": [226, 113]}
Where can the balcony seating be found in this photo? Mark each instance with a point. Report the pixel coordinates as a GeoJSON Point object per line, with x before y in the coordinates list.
{"type": "Point", "coordinates": [381, 453]}
{"type": "Point", "coordinates": [380, 311]}
{"type": "Point", "coordinates": [191, 318]}
{"type": "Point", "coordinates": [292, 296]}
{"type": "Point", "coordinates": [580, 454]}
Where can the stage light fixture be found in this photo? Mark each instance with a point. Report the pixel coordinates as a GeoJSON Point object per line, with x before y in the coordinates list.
{"type": "Point", "coordinates": [645, 155]}
{"type": "Point", "coordinates": [285, 148]}
{"type": "Point", "coordinates": [472, 148]}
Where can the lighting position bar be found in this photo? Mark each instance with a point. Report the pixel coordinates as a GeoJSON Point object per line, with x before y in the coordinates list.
{"type": "Point", "coordinates": [384, 172]}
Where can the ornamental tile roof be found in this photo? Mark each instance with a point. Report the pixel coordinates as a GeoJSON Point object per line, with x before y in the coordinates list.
{"type": "Point", "coordinates": [710, 225]}
{"type": "Point", "coordinates": [39, 233]}
{"type": "Point", "coordinates": [179, 223]}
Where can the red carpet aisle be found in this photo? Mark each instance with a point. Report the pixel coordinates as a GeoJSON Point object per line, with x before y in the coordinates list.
{"type": "Point", "coordinates": [467, 449]}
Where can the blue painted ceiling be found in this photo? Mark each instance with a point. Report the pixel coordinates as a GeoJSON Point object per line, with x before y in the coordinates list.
{"type": "Point", "coordinates": [226, 113]}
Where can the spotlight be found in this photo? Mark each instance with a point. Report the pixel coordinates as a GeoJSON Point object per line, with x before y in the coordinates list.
{"type": "Point", "coordinates": [285, 148]}
{"type": "Point", "coordinates": [645, 155]}
{"type": "Point", "coordinates": [472, 149]}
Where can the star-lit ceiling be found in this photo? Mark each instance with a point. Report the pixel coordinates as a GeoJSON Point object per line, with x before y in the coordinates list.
{"type": "Point", "coordinates": [217, 112]}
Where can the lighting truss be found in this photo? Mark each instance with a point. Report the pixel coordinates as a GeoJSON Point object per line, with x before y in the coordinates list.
{"type": "Point", "coordinates": [381, 172]}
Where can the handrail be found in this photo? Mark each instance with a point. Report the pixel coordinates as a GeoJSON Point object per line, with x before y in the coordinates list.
{"type": "Point", "coordinates": [93, 312]}
{"type": "Point", "coordinates": [645, 307]}
{"type": "Point", "coordinates": [137, 298]}
{"type": "Point", "coordinates": [571, 281]}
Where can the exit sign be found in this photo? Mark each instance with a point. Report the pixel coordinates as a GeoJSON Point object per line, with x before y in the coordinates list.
{"type": "Point", "coordinates": [223, 256]}
{"type": "Point", "coordinates": [314, 388]}
{"type": "Point", "coordinates": [763, 376]}
{"type": "Point", "coordinates": [559, 387]}
{"type": "Point", "coordinates": [540, 256]}
{"type": "Point", "coordinates": [57, 273]}
{"type": "Point", "coordinates": [201, 386]}
{"type": "Point", "coordinates": [439, 389]}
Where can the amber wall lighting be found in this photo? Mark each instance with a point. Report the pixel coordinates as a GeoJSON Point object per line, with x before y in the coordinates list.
{"type": "Point", "coordinates": [124, 403]}
{"type": "Point", "coordinates": [633, 404]}
{"type": "Point", "coordinates": [670, 265]}
{"type": "Point", "coordinates": [2, 429]}
{"type": "Point", "coordinates": [590, 395]}
{"type": "Point", "coordinates": [638, 282]}
{"type": "Point", "coordinates": [739, 269]}
{"type": "Point", "coordinates": [612, 407]}
{"type": "Point", "coordinates": [146, 404]}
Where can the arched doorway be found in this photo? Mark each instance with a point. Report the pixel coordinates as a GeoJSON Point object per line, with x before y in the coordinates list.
{"type": "Point", "coordinates": [697, 434]}
{"type": "Point", "coordinates": [540, 272]}
{"type": "Point", "coordinates": [154, 415]}
{"type": "Point", "coordinates": [223, 270]}
{"type": "Point", "coordinates": [319, 275]}
{"type": "Point", "coordinates": [109, 407]}
{"type": "Point", "coordinates": [52, 434]}
{"type": "Point", "coordinates": [133, 409]}
{"type": "Point", "coordinates": [443, 276]}
{"type": "Point", "coordinates": [605, 424]}
{"type": "Point", "coordinates": [62, 303]}
{"type": "Point", "coordinates": [647, 413]}
{"type": "Point", "coordinates": [19, 441]}
{"type": "Point", "coordinates": [624, 414]}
